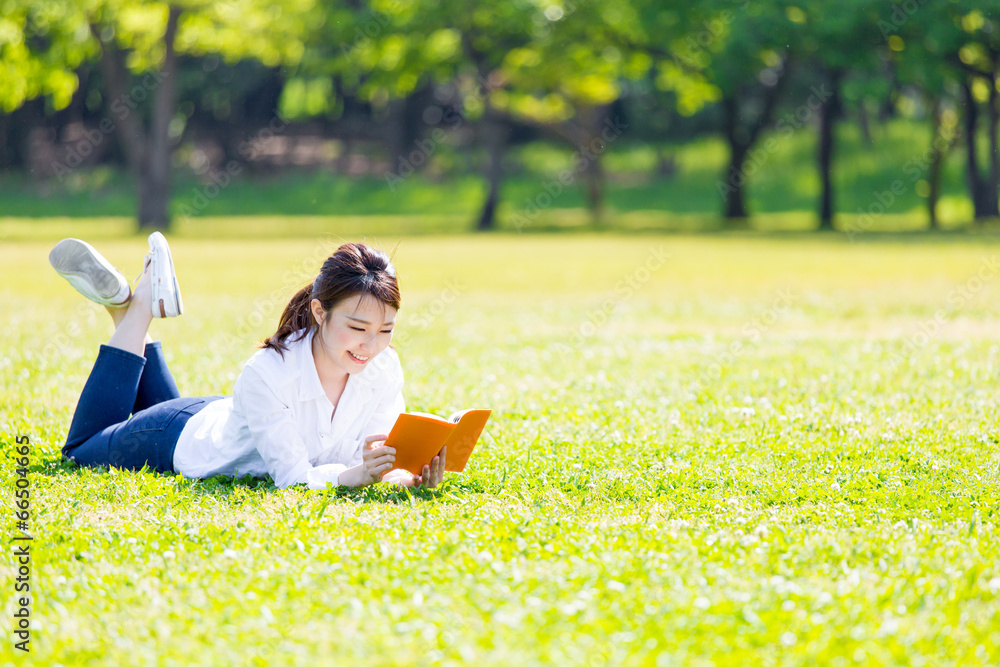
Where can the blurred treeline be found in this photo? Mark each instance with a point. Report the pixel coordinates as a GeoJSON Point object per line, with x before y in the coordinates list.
{"type": "Point", "coordinates": [134, 82]}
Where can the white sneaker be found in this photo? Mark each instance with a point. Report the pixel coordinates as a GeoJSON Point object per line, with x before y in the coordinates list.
{"type": "Point", "coordinates": [93, 276]}
{"type": "Point", "coordinates": [166, 292]}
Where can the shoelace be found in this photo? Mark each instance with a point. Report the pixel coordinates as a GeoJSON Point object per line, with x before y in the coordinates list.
{"type": "Point", "coordinates": [145, 262]}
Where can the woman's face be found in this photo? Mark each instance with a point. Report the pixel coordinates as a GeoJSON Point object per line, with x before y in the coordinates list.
{"type": "Point", "coordinates": [354, 331]}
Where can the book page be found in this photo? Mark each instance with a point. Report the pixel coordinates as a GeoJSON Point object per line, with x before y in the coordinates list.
{"type": "Point", "coordinates": [463, 438]}
{"type": "Point", "coordinates": [428, 415]}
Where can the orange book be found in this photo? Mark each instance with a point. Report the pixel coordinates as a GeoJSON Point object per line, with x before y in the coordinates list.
{"type": "Point", "coordinates": [418, 437]}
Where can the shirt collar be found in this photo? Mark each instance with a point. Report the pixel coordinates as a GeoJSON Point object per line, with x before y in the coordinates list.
{"type": "Point", "coordinates": [309, 385]}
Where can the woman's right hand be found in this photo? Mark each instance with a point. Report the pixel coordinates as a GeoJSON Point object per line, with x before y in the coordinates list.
{"type": "Point", "coordinates": [376, 459]}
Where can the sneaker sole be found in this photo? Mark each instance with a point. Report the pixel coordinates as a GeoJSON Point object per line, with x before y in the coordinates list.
{"type": "Point", "coordinates": [88, 271]}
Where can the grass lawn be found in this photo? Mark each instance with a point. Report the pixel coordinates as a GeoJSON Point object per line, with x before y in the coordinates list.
{"type": "Point", "coordinates": [754, 451]}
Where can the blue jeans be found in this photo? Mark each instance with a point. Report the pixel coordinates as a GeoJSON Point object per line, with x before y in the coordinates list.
{"type": "Point", "coordinates": [119, 384]}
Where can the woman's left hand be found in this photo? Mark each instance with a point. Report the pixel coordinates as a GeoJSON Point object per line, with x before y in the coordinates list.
{"type": "Point", "coordinates": [431, 477]}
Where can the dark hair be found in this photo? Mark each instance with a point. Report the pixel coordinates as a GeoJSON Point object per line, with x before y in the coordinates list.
{"type": "Point", "coordinates": [354, 269]}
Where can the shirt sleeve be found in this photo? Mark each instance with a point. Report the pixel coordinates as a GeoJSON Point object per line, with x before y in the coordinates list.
{"type": "Point", "coordinates": [272, 427]}
{"type": "Point", "coordinates": [381, 421]}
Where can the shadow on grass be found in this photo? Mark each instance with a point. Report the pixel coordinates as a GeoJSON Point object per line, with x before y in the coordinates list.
{"type": "Point", "coordinates": [222, 486]}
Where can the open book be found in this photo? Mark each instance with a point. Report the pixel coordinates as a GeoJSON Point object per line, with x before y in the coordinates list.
{"type": "Point", "coordinates": [418, 437]}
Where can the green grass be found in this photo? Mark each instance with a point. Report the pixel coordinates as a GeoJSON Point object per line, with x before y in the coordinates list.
{"type": "Point", "coordinates": [752, 455]}
{"type": "Point", "coordinates": [449, 194]}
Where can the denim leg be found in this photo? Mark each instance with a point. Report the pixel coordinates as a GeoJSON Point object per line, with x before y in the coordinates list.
{"type": "Point", "coordinates": [107, 397]}
{"type": "Point", "coordinates": [149, 438]}
{"type": "Point", "coordinates": [156, 384]}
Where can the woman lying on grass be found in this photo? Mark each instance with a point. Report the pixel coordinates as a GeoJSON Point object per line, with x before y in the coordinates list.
{"type": "Point", "coordinates": [311, 406]}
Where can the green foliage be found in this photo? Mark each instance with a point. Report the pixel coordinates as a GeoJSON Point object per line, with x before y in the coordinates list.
{"type": "Point", "coordinates": [42, 42]}
{"type": "Point", "coordinates": [533, 61]}
{"type": "Point", "coordinates": [704, 474]}
{"type": "Point", "coordinates": [39, 49]}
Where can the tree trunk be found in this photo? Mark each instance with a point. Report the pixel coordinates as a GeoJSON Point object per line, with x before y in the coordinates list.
{"type": "Point", "coordinates": [734, 205]}
{"type": "Point", "coordinates": [991, 197]}
{"type": "Point", "coordinates": [154, 189]}
{"type": "Point", "coordinates": [934, 173]}
{"type": "Point", "coordinates": [863, 123]}
{"type": "Point", "coordinates": [149, 154]}
{"type": "Point", "coordinates": [942, 142]}
{"type": "Point", "coordinates": [828, 112]}
{"type": "Point", "coordinates": [741, 139]}
{"type": "Point", "coordinates": [15, 128]}
{"type": "Point", "coordinates": [593, 118]}
{"type": "Point", "coordinates": [495, 139]}
{"type": "Point", "coordinates": [595, 190]}
{"type": "Point", "coordinates": [976, 183]}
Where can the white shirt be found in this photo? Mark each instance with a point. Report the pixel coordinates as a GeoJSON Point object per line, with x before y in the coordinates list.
{"type": "Point", "coordinates": [277, 421]}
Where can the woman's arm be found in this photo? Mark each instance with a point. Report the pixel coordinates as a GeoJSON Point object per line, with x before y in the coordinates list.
{"type": "Point", "coordinates": [376, 459]}
{"type": "Point", "coordinates": [369, 455]}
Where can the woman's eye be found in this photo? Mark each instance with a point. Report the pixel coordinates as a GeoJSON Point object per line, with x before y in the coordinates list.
{"type": "Point", "coordinates": [387, 331]}
{"type": "Point", "coordinates": [357, 329]}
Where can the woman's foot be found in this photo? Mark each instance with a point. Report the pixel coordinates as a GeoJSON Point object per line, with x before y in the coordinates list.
{"type": "Point", "coordinates": [90, 273]}
{"type": "Point", "coordinates": [166, 293]}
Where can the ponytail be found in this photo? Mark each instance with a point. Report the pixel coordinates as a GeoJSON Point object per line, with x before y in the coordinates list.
{"type": "Point", "coordinates": [296, 316]}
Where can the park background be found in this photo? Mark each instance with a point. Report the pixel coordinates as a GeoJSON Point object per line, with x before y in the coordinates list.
{"type": "Point", "coordinates": [726, 272]}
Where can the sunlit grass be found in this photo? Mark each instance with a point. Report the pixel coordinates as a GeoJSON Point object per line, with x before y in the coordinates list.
{"type": "Point", "coordinates": [760, 451]}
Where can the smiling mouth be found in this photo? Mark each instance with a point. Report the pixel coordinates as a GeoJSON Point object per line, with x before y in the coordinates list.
{"type": "Point", "coordinates": [358, 359]}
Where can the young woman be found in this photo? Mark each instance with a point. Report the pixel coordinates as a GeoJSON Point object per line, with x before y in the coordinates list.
{"type": "Point", "coordinates": [311, 406]}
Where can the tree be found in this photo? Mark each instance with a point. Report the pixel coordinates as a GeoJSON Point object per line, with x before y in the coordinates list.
{"type": "Point", "coordinates": [506, 63]}
{"type": "Point", "coordinates": [739, 55]}
{"type": "Point", "coordinates": [979, 61]}
{"type": "Point", "coordinates": [138, 43]}
{"type": "Point", "coordinates": [837, 46]}
{"type": "Point", "coordinates": [919, 45]}
{"type": "Point", "coordinates": [965, 36]}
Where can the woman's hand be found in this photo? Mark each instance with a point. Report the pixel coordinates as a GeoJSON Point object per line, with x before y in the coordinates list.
{"type": "Point", "coordinates": [375, 459]}
{"type": "Point", "coordinates": [431, 477]}
{"type": "Point", "coordinates": [401, 477]}
{"type": "Point", "coordinates": [434, 473]}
